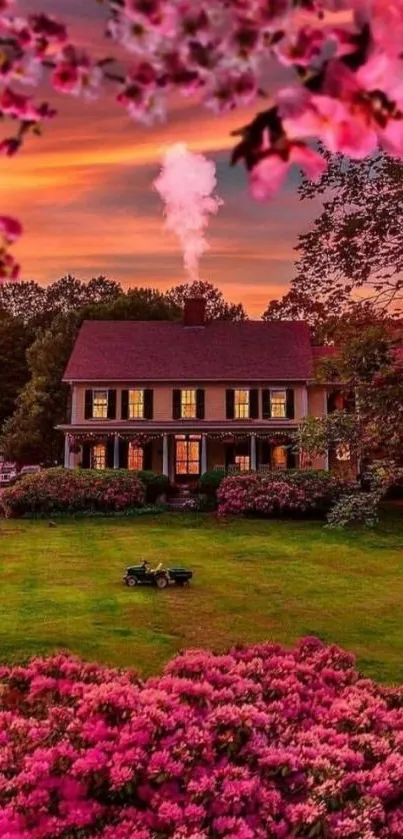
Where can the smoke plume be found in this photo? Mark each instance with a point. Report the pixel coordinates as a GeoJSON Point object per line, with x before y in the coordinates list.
{"type": "Point", "coordinates": [186, 184]}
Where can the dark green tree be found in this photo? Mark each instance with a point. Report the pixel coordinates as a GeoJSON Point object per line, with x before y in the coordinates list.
{"type": "Point", "coordinates": [15, 339]}
{"type": "Point", "coordinates": [217, 308]}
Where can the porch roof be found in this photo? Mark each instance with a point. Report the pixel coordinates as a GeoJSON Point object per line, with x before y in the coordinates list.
{"type": "Point", "coordinates": [179, 427]}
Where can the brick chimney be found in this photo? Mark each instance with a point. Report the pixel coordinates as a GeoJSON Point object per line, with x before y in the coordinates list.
{"type": "Point", "coordinates": [194, 313]}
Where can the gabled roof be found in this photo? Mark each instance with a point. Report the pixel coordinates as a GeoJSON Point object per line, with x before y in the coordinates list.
{"type": "Point", "coordinates": [219, 351]}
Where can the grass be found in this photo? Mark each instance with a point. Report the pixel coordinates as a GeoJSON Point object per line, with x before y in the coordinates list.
{"type": "Point", "coordinates": [254, 580]}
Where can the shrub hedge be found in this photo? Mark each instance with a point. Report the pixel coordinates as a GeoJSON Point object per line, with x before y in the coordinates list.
{"type": "Point", "coordinates": [256, 743]}
{"type": "Point", "coordinates": [288, 493]}
{"type": "Point", "coordinates": [73, 490]}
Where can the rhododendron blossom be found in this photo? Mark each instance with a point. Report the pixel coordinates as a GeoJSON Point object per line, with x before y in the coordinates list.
{"type": "Point", "coordinates": [255, 743]}
{"type": "Point", "coordinates": [348, 68]}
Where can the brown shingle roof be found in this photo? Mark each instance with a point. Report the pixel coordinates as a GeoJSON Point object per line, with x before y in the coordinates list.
{"type": "Point", "coordinates": [160, 350]}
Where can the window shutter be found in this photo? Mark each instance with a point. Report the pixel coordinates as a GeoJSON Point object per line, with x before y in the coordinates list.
{"type": "Point", "coordinates": [148, 456]}
{"type": "Point", "coordinates": [109, 454]}
{"type": "Point", "coordinates": [290, 403]}
{"type": "Point", "coordinates": [176, 404]}
{"type": "Point", "coordinates": [230, 404]}
{"type": "Point", "coordinates": [229, 456]}
{"type": "Point", "coordinates": [254, 404]}
{"type": "Point", "coordinates": [200, 404]}
{"type": "Point", "coordinates": [266, 407]}
{"type": "Point", "coordinates": [111, 404]}
{"type": "Point", "coordinates": [86, 458]}
{"type": "Point", "coordinates": [292, 459]}
{"type": "Point", "coordinates": [148, 404]}
{"type": "Point", "coordinates": [123, 453]}
{"type": "Point", "coordinates": [88, 405]}
{"type": "Point", "coordinates": [125, 405]}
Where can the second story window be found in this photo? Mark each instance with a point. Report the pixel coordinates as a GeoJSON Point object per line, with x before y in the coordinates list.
{"type": "Point", "coordinates": [100, 404]}
{"type": "Point", "coordinates": [278, 403]}
{"type": "Point", "coordinates": [136, 404]}
{"type": "Point", "coordinates": [241, 404]}
{"type": "Point", "coordinates": [188, 404]}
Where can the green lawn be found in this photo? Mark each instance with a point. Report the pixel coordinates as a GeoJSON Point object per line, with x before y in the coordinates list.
{"type": "Point", "coordinates": [254, 580]}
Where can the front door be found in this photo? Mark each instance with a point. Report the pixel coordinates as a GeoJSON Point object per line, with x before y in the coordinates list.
{"type": "Point", "coordinates": [187, 456]}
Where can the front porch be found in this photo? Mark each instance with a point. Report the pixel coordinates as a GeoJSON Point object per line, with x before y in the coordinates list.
{"type": "Point", "coordinates": [183, 457]}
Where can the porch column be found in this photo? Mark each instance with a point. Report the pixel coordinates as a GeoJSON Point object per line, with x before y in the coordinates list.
{"type": "Point", "coordinates": [203, 465]}
{"type": "Point", "coordinates": [326, 464]}
{"type": "Point", "coordinates": [304, 401]}
{"type": "Point", "coordinates": [253, 453]}
{"type": "Point", "coordinates": [66, 452]}
{"type": "Point", "coordinates": [165, 455]}
{"type": "Point", "coordinates": [116, 452]}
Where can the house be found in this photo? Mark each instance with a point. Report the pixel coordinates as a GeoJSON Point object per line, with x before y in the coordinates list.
{"type": "Point", "coordinates": [183, 398]}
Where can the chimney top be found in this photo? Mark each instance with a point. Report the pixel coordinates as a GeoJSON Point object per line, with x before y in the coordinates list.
{"type": "Point", "coordinates": [194, 313]}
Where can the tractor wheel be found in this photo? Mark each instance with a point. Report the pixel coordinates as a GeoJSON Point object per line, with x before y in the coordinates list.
{"type": "Point", "coordinates": [161, 581]}
{"type": "Point", "coordinates": [132, 581]}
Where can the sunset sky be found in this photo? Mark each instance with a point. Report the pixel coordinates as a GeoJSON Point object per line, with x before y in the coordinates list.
{"type": "Point", "coordinates": [84, 194]}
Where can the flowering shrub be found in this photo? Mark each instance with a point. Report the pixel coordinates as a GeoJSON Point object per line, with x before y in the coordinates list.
{"type": "Point", "coordinates": [69, 490]}
{"type": "Point", "coordinates": [360, 508]}
{"type": "Point", "coordinates": [260, 742]}
{"type": "Point", "coordinates": [279, 493]}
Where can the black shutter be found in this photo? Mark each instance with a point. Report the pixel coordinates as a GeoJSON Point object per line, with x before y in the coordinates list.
{"type": "Point", "coordinates": [88, 405]}
{"type": "Point", "coordinates": [125, 405]}
{"type": "Point", "coordinates": [264, 453]}
{"type": "Point", "coordinates": [200, 404]}
{"type": "Point", "coordinates": [254, 404]}
{"type": "Point", "coordinates": [229, 456]}
{"type": "Point", "coordinates": [109, 454]}
{"type": "Point", "coordinates": [176, 404]}
{"type": "Point", "coordinates": [230, 404]}
{"type": "Point", "coordinates": [266, 406]}
{"type": "Point", "coordinates": [290, 403]}
{"type": "Point", "coordinates": [148, 456]}
{"type": "Point", "coordinates": [148, 404]}
{"type": "Point", "coordinates": [111, 404]}
{"type": "Point", "coordinates": [292, 459]}
{"type": "Point", "coordinates": [86, 458]}
{"type": "Point", "coordinates": [123, 453]}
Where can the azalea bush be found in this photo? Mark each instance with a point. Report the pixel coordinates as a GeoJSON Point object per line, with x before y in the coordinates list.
{"type": "Point", "coordinates": [262, 741]}
{"type": "Point", "coordinates": [345, 89]}
{"type": "Point", "coordinates": [73, 490]}
{"type": "Point", "coordinates": [288, 493]}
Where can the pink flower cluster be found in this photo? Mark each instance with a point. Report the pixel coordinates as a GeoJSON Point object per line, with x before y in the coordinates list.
{"type": "Point", "coordinates": [279, 493]}
{"type": "Point", "coordinates": [64, 490]}
{"type": "Point", "coordinates": [260, 742]}
{"type": "Point", "coordinates": [348, 93]}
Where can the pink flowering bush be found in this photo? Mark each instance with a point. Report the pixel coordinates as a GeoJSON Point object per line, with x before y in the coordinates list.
{"type": "Point", "coordinates": [67, 490]}
{"type": "Point", "coordinates": [289, 493]}
{"type": "Point", "coordinates": [260, 742]}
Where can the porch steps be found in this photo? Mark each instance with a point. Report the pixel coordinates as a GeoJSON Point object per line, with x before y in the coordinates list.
{"type": "Point", "coordinates": [179, 502]}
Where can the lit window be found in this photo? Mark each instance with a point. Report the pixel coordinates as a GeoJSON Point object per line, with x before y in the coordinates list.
{"type": "Point", "coordinates": [241, 404]}
{"type": "Point", "coordinates": [242, 462]}
{"type": "Point", "coordinates": [188, 404]}
{"type": "Point", "coordinates": [136, 404]}
{"type": "Point", "coordinates": [99, 456]}
{"type": "Point", "coordinates": [343, 452]}
{"type": "Point", "coordinates": [187, 460]}
{"type": "Point", "coordinates": [279, 457]}
{"type": "Point", "coordinates": [135, 459]}
{"type": "Point", "coordinates": [100, 404]}
{"type": "Point", "coordinates": [278, 403]}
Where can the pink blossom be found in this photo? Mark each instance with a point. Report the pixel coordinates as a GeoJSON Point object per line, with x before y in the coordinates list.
{"type": "Point", "coordinates": [10, 228]}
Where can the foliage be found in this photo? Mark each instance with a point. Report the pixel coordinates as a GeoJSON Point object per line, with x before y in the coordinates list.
{"type": "Point", "coordinates": [346, 90]}
{"type": "Point", "coordinates": [355, 508]}
{"type": "Point", "coordinates": [15, 339]}
{"type": "Point", "coordinates": [155, 484]}
{"type": "Point", "coordinates": [356, 242]}
{"type": "Point", "coordinates": [70, 490]}
{"type": "Point", "coordinates": [279, 493]}
{"type": "Point", "coordinates": [210, 481]}
{"type": "Point", "coordinates": [316, 435]}
{"type": "Point", "coordinates": [217, 308]}
{"type": "Point", "coordinates": [202, 750]}
{"type": "Point", "coordinates": [37, 306]}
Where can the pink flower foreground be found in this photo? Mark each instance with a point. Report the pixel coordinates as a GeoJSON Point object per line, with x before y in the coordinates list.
{"type": "Point", "coordinates": [348, 72]}
{"type": "Point", "coordinates": [260, 742]}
